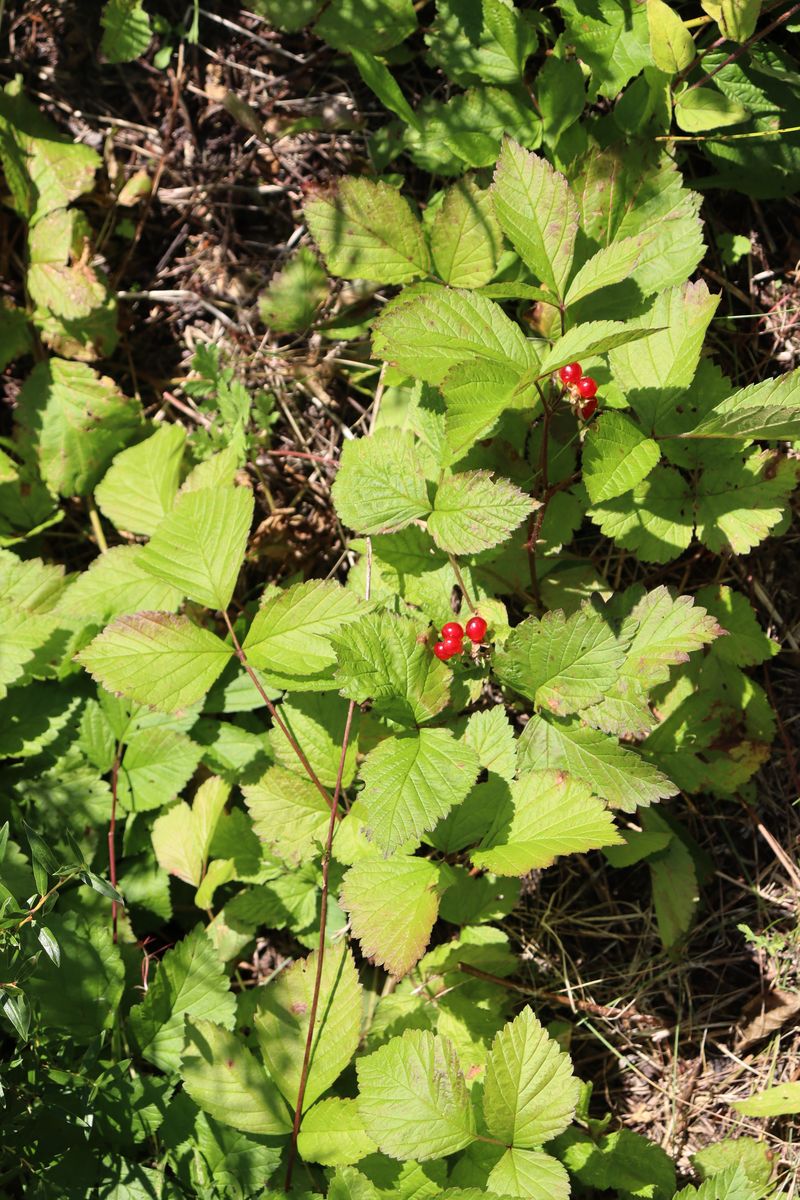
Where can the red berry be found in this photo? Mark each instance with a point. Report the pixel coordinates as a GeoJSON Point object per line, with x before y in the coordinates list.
{"type": "Point", "coordinates": [476, 629]}
{"type": "Point", "coordinates": [442, 651]}
{"type": "Point", "coordinates": [588, 409]}
{"type": "Point", "coordinates": [587, 387]}
{"type": "Point", "coordinates": [453, 646]}
{"type": "Point", "coordinates": [453, 631]}
{"type": "Point", "coordinates": [570, 374]}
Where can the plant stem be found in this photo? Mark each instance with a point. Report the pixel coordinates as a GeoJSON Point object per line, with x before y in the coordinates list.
{"type": "Point", "coordinates": [323, 918]}
{"type": "Point", "coordinates": [278, 719]}
{"type": "Point", "coordinates": [536, 518]}
{"type": "Point", "coordinates": [112, 830]}
{"type": "Point", "coordinates": [97, 528]}
{"type": "Point", "coordinates": [460, 581]}
{"type": "Point", "coordinates": [43, 900]}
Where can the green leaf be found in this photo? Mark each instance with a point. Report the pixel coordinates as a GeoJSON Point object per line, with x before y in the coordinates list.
{"type": "Point", "coordinates": [200, 544]}
{"type": "Point", "coordinates": [378, 77]}
{"type": "Point", "coordinates": [538, 213]}
{"type": "Point", "coordinates": [393, 904]}
{"type": "Point", "coordinates": [413, 1098]}
{"type": "Point", "coordinates": [655, 520]}
{"type": "Point", "coordinates": [367, 230]}
{"type": "Point", "coordinates": [740, 501]}
{"type": "Point", "coordinates": [77, 421]}
{"type": "Point", "coordinates": [282, 1023]}
{"type": "Point", "coordinates": [276, 13]}
{"type": "Point", "coordinates": [114, 586]}
{"type": "Point", "coordinates": [588, 339]}
{"type": "Point", "coordinates": [736, 18]}
{"type": "Point", "coordinates": [58, 280]}
{"type": "Point", "coordinates": [333, 1134]}
{"type": "Point", "coordinates": [293, 295]}
{"type": "Point", "coordinates": [489, 41]}
{"type": "Point", "coordinates": [190, 980]}
{"type": "Point", "coordinates": [702, 108]}
{"type": "Point", "coordinates": [616, 456]}
{"type": "Point", "coordinates": [157, 764]}
{"type": "Point", "coordinates": [427, 332]}
{"type": "Point", "coordinates": [548, 814]}
{"type": "Point", "coordinates": [530, 1173]}
{"type": "Point", "coordinates": [530, 1091]}
{"type": "Point", "coordinates": [662, 630]}
{"type": "Point", "coordinates": [157, 659]}
{"type": "Point", "coordinates": [780, 1101]}
{"type": "Point", "coordinates": [674, 883]}
{"type": "Point", "coordinates": [289, 814]}
{"type": "Point", "coordinates": [465, 236]}
{"type": "Point", "coordinates": [477, 394]}
{"type": "Point", "coordinates": [732, 1184]}
{"type": "Point", "coordinates": [381, 484]}
{"type": "Point", "coordinates": [618, 775]}
{"type": "Point", "coordinates": [384, 658]}
{"type": "Point", "coordinates": [289, 639]}
{"type": "Point", "coordinates": [770, 409]}
{"type": "Point", "coordinates": [182, 836]}
{"type": "Point", "coordinates": [80, 995]}
{"type": "Point", "coordinates": [473, 512]}
{"type": "Point", "coordinates": [413, 779]}
{"type": "Point", "coordinates": [560, 91]}
{"type": "Point", "coordinates": [608, 266]}
{"type": "Point", "coordinates": [623, 1161]}
{"type": "Point", "coordinates": [228, 1082]}
{"type": "Point", "coordinates": [140, 486]}
{"type": "Point", "coordinates": [317, 722]}
{"type": "Point", "coordinates": [490, 735]}
{"type": "Point", "coordinates": [563, 663]}
{"type": "Point", "coordinates": [345, 24]}
{"type": "Point", "coordinates": [126, 30]}
{"type": "Point", "coordinates": [611, 37]}
{"type": "Point", "coordinates": [15, 334]}
{"type": "Point", "coordinates": [671, 43]}
{"type": "Point", "coordinates": [636, 847]}
{"type": "Point", "coordinates": [750, 1154]}
{"type": "Point", "coordinates": [747, 644]}
{"type": "Point", "coordinates": [33, 717]}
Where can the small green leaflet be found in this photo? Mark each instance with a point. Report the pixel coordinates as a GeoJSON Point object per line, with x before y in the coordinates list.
{"type": "Point", "coordinates": [590, 338]}
{"type": "Point", "coordinates": [730, 1184]}
{"type": "Point", "coordinates": [490, 735]}
{"type": "Point", "coordinates": [476, 395]}
{"type": "Point", "coordinates": [157, 659]}
{"type": "Point", "coordinates": [548, 814]}
{"type": "Point", "coordinates": [429, 329]}
{"type": "Point", "coordinates": [115, 585]}
{"type": "Point", "coordinates": [655, 519]}
{"type": "Point", "coordinates": [538, 213]}
{"type": "Point", "coordinates": [227, 1081]}
{"type": "Point", "coordinates": [413, 779]}
{"type": "Point", "coordinates": [779, 1101]}
{"type": "Point", "coordinates": [381, 483]}
{"type": "Point", "coordinates": [662, 630]}
{"type": "Point", "coordinates": [466, 236]}
{"type": "Point", "coordinates": [341, 24]}
{"type": "Point", "coordinates": [620, 776]}
{"type": "Point", "coordinates": [493, 46]}
{"type": "Point", "coordinates": [739, 502]}
{"type": "Point", "coordinates": [770, 409]}
{"type": "Point", "coordinates": [413, 1098]}
{"type": "Point", "coordinates": [158, 763]}
{"type": "Point", "coordinates": [200, 544]}
{"type": "Point", "coordinates": [317, 721]}
{"type": "Point", "coordinates": [282, 1017]}
{"type": "Point", "coordinates": [671, 42]}
{"type": "Point", "coordinates": [289, 815]}
{"type": "Point", "coordinates": [393, 904]}
{"type": "Point", "coordinates": [376, 75]}
{"type": "Point", "coordinates": [367, 229]}
{"type": "Point", "coordinates": [182, 836]}
{"type": "Point", "coordinates": [608, 266]}
{"type": "Point", "coordinates": [701, 108]}
{"type": "Point", "coordinates": [563, 663]}
{"type": "Point", "coordinates": [333, 1134]}
{"type": "Point", "coordinates": [530, 1092]}
{"type": "Point", "coordinates": [126, 30]}
{"type": "Point", "coordinates": [473, 512]}
{"type": "Point", "coordinates": [616, 456]}
{"type": "Point", "coordinates": [140, 486]}
{"type": "Point", "coordinates": [736, 18]}
{"type": "Point", "coordinates": [612, 38]}
{"type": "Point", "coordinates": [530, 1173]}
{"type": "Point", "coordinates": [622, 1161]}
{"type": "Point", "coordinates": [289, 639]}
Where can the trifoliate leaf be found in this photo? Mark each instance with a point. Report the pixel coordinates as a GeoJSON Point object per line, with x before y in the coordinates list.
{"type": "Point", "coordinates": [386, 659]}
{"type": "Point", "coordinates": [428, 332]}
{"type": "Point", "coordinates": [366, 229]}
{"type": "Point", "coordinates": [770, 409]}
{"type": "Point", "coordinates": [493, 48]}
{"type": "Point", "coordinates": [200, 544]}
{"type": "Point", "coordinates": [157, 659]}
{"type": "Point", "coordinates": [393, 904]}
{"type": "Point", "coordinates": [538, 213]}
{"type": "Point", "coordinates": [739, 502]}
{"type": "Point", "coordinates": [289, 639]}
{"type": "Point", "coordinates": [381, 483]}
{"type": "Point", "coordinates": [413, 779]}
{"type": "Point", "coordinates": [157, 764]}
{"type": "Point", "coordinates": [608, 266]}
{"type": "Point", "coordinates": [126, 30]}
{"type": "Point", "coordinates": [182, 836]}
{"type": "Point", "coordinates": [140, 486]}
{"type": "Point", "coordinates": [616, 457]}
{"type": "Point", "coordinates": [660, 631]}
{"type": "Point", "coordinates": [655, 520]}
{"type": "Point", "coordinates": [413, 1098]}
{"type": "Point", "coordinates": [465, 236]}
{"type": "Point", "coordinates": [114, 586]}
{"type": "Point", "coordinates": [530, 1173]}
{"type": "Point", "coordinates": [547, 814]}
{"type": "Point", "coordinates": [563, 663]}
{"type": "Point", "coordinates": [289, 814]}
{"type": "Point", "coordinates": [190, 980]}
{"type": "Point", "coordinates": [530, 1092]}
{"type": "Point", "coordinates": [618, 775]}
{"type": "Point", "coordinates": [76, 421]}
{"type": "Point", "coordinates": [747, 644]}
{"type": "Point", "coordinates": [333, 1134]}
{"type": "Point", "coordinates": [671, 42]}
{"type": "Point", "coordinates": [228, 1082]}
{"type": "Point", "coordinates": [473, 512]}
{"type": "Point", "coordinates": [282, 1023]}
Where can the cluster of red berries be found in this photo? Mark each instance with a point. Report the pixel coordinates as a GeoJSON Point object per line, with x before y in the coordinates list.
{"type": "Point", "coordinates": [453, 637]}
{"type": "Point", "coordinates": [572, 376]}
